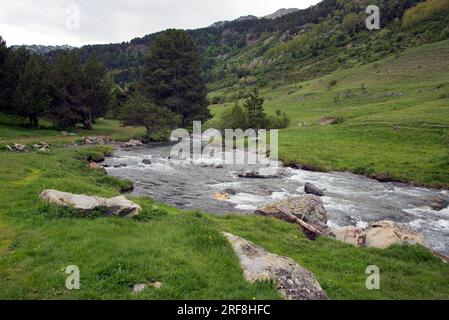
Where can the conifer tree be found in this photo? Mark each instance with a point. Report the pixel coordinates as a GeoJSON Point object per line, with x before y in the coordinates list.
{"type": "Point", "coordinates": [257, 118]}
{"type": "Point", "coordinates": [172, 79]}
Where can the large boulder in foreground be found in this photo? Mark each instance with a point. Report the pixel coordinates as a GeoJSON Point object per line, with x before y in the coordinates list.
{"type": "Point", "coordinates": [309, 208]}
{"type": "Point", "coordinates": [384, 234]}
{"type": "Point", "coordinates": [118, 206]}
{"type": "Point", "coordinates": [293, 281]}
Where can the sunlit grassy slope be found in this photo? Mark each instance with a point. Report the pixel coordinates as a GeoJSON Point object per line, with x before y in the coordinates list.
{"type": "Point", "coordinates": [392, 118]}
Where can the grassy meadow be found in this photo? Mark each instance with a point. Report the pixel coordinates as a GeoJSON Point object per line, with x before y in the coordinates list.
{"type": "Point", "coordinates": [391, 118]}
{"type": "Point", "coordinates": [183, 250]}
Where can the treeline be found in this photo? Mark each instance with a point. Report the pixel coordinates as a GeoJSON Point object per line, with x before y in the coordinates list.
{"type": "Point", "coordinates": [63, 91]}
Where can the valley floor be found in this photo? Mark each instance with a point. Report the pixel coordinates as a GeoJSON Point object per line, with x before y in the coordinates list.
{"type": "Point", "coordinates": [387, 120]}
{"type": "Point", "coordinates": [185, 251]}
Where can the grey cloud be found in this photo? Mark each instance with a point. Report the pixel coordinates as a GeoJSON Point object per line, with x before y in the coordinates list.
{"type": "Point", "coordinates": [104, 21]}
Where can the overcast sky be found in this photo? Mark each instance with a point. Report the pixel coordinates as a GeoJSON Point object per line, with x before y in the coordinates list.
{"type": "Point", "coordinates": [56, 22]}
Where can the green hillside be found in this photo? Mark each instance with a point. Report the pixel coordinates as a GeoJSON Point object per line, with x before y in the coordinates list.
{"type": "Point", "coordinates": [390, 118]}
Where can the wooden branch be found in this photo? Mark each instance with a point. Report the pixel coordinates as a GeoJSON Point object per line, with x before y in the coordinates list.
{"type": "Point", "coordinates": [312, 232]}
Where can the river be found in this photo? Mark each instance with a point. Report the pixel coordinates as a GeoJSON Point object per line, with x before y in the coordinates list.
{"type": "Point", "coordinates": [349, 199]}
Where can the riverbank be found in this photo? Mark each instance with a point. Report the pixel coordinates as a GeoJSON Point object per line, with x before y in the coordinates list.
{"type": "Point", "coordinates": [184, 250]}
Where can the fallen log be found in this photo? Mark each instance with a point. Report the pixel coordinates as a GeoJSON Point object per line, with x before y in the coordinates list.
{"type": "Point", "coordinates": [443, 257]}
{"type": "Point", "coordinates": [312, 232]}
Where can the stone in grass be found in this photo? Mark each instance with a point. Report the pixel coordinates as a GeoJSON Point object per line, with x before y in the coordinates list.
{"type": "Point", "coordinates": [139, 288]}
{"type": "Point", "coordinates": [293, 281]}
{"type": "Point", "coordinates": [118, 206]}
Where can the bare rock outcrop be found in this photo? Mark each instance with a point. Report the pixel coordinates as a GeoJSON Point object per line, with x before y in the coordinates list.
{"type": "Point", "coordinates": [382, 235]}
{"type": "Point", "coordinates": [118, 206]}
{"type": "Point", "coordinates": [293, 281]}
{"type": "Point", "coordinates": [308, 208]}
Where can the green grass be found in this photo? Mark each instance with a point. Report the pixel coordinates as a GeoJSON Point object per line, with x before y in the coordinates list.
{"type": "Point", "coordinates": [183, 250]}
{"type": "Point", "coordinates": [393, 118]}
{"type": "Point", "coordinates": [10, 132]}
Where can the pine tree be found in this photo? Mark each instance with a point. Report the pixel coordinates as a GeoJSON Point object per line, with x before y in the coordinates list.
{"type": "Point", "coordinates": [3, 57]}
{"type": "Point", "coordinates": [66, 90]}
{"type": "Point", "coordinates": [32, 96]}
{"type": "Point", "coordinates": [81, 93]}
{"type": "Point", "coordinates": [14, 66]}
{"type": "Point", "coordinates": [257, 118]}
{"type": "Point", "coordinates": [96, 91]}
{"type": "Point", "coordinates": [172, 77]}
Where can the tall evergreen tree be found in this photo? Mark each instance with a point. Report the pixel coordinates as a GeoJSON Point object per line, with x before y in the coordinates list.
{"type": "Point", "coordinates": [3, 57]}
{"type": "Point", "coordinates": [81, 93]}
{"type": "Point", "coordinates": [32, 96]}
{"type": "Point", "coordinates": [172, 77]}
{"type": "Point", "coordinates": [96, 92]}
{"type": "Point", "coordinates": [14, 66]}
{"type": "Point", "coordinates": [66, 90]}
{"type": "Point", "coordinates": [257, 118]}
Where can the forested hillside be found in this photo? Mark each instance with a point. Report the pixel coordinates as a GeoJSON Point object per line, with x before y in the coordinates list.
{"type": "Point", "coordinates": [297, 46]}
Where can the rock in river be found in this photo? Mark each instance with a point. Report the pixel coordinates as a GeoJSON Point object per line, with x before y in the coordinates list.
{"type": "Point", "coordinates": [311, 189]}
{"type": "Point", "coordinates": [293, 282]}
{"type": "Point", "coordinates": [118, 206]}
{"type": "Point", "coordinates": [309, 208]}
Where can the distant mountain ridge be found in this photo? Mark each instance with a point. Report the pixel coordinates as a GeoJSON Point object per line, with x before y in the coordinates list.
{"type": "Point", "coordinates": [42, 50]}
{"type": "Point", "coordinates": [279, 13]}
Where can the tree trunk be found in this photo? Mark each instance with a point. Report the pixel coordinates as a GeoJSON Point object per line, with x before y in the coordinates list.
{"type": "Point", "coordinates": [147, 137]}
{"type": "Point", "coordinates": [34, 122]}
{"type": "Point", "coordinates": [87, 121]}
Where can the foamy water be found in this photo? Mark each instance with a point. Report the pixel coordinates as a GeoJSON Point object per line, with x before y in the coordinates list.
{"type": "Point", "coordinates": [349, 199]}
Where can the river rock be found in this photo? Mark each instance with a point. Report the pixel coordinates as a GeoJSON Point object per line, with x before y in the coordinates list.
{"type": "Point", "coordinates": [221, 196]}
{"type": "Point", "coordinates": [309, 208]}
{"type": "Point", "coordinates": [132, 143]}
{"type": "Point", "coordinates": [67, 134]}
{"type": "Point", "coordinates": [17, 147]}
{"type": "Point", "coordinates": [97, 166]}
{"type": "Point", "coordinates": [118, 206]}
{"type": "Point", "coordinates": [257, 175]}
{"type": "Point", "coordinates": [384, 234]}
{"type": "Point", "coordinates": [232, 192]}
{"type": "Point", "coordinates": [350, 235]}
{"type": "Point", "coordinates": [311, 189]}
{"type": "Point", "coordinates": [95, 140]}
{"type": "Point", "coordinates": [436, 203]}
{"type": "Point", "coordinates": [293, 282]}
{"type": "Point", "coordinates": [147, 162]}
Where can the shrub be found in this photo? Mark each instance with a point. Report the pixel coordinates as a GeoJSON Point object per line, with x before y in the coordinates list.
{"type": "Point", "coordinates": [234, 118]}
{"type": "Point", "coordinates": [278, 121]}
{"type": "Point", "coordinates": [423, 11]}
